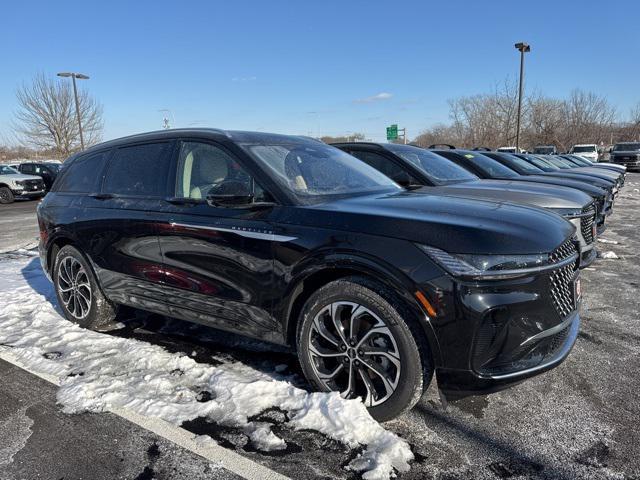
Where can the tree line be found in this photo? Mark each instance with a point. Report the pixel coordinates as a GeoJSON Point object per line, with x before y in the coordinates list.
{"type": "Point", "coordinates": [45, 121]}
{"type": "Point", "coordinates": [489, 120]}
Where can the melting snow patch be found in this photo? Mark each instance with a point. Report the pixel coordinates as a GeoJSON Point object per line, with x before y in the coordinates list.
{"type": "Point", "coordinates": [604, 240]}
{"type": "Point", "coordinates": [145, 378]}
{"type": "Point", "coordinates": [608, 255]}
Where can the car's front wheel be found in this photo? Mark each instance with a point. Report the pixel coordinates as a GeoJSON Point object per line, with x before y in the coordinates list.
{"type": "Point", "coordinates": [352, 338]}
{"type": "Point", "coordinates": [6, 195]}
{"type": "Point", "coordinates": [77, 291]}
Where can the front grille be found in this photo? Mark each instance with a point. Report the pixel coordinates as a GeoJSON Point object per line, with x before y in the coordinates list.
{"type": "Point", "coordinates": [32, 184]}
{"type": "Point", "coordinates": [565, 250]}
{"type": "Point", "coordinates": [561, 279]}
{"type": "Point", "coordinates": [586, 223]}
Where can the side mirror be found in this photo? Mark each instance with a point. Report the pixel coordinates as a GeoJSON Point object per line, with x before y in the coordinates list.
{"type": "Point", "coordinates": [402, 178]}
{"type": "Point", "coordinates": [230, 194]}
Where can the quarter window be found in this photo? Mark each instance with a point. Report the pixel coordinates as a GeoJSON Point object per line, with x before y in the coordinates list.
{"type": "Point", "coordinates": [83, 174]}
{"type": "Point", "coordinates": [139, 170]}
{"type": "Point", "coordinates": [203, 167]}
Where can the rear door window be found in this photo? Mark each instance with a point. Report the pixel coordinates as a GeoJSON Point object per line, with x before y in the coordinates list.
{"type": "Point", "coordinates": [83, 175]}
{"type": "Point", "coordinates": [139, 170]}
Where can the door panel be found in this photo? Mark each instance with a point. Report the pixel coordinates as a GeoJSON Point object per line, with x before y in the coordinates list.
{"type": "Point", "coordinates": [218, 262]}
{"type": "Point", "coordinates": [120, 227]}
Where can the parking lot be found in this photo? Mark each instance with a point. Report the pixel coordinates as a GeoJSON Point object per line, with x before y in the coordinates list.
{"type": "Point", "coordinates": [577, 421]}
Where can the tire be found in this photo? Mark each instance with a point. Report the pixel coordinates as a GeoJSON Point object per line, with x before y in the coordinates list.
{"type": "Point", "coordinates": [6, 195]}
{"type": "Point", "coordinates": [327, 361]}
{"type": "Point", "coordinates": [78, 292]}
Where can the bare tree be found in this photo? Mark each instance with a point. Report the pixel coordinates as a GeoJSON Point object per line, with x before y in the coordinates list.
{"type": "Point", "coordinates": [46, 116]}
{"type": "Point", "coordinates": [587, 118]}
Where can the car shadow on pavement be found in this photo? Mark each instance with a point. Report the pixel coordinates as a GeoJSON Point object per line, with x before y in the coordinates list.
{"type": "Point", "coordinates": [515, 461]}
{"type": "Point", "coordinates": [35, 277]}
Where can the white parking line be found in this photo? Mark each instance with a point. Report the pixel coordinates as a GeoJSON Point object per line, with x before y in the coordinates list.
{"type": "Point", "coordinates": [211, 451]}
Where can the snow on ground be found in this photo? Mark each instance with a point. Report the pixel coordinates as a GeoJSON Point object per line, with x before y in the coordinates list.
{"type": "Point", "coordinates": [99, 372]}
{"type": "Point", "coordinates": [608, 255]}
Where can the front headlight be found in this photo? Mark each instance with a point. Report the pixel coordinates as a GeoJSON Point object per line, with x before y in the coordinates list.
{"type": "Point", "coordinates": [485, 267]}
{"type": "Point", "coordinates": [567, 212]}
{"type": "Point", "coordinates": [18, 183]}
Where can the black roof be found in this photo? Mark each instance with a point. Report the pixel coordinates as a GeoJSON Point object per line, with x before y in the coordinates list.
{"type": "Point", "coordinates": [237, 135]}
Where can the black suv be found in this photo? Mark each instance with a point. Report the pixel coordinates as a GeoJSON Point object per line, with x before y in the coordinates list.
{"type": "Point", "coordinates": [48, 171]}
{"type": "Point", "coordinates": [627, 154]}
{"type": "Point", "coordinates": [292, 241]}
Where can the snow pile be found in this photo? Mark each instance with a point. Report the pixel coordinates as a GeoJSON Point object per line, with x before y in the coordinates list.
{"type": "Point", "coordinates": [99, 372]}
{"type": "Point", "coordinates": [604, 240]}
{"type": "Point", "coordinates": [610, 255]}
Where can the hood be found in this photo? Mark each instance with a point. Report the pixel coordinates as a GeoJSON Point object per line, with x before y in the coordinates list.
{"type": "Point", "coordinates": [534, 194]}
{"type": "Point", "coordinates": [592, 190]}
{"type": "Point", "coordinates": [20, 176]}
{"type": "Point", "coordinates": [613, 166]}
{"type": "Point", "coordinates": [453, 224]}
{"type": "Point", "coordinates": [598, 172]}
{"type": "Point", "coordinates": [593, 180]}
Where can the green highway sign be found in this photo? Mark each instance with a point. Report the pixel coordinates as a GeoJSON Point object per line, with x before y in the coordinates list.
{"type": "Point", "coordinates": [392, 132]}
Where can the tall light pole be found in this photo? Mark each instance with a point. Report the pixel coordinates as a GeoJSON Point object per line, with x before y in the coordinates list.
{"type": "Point", "coordinates": [524, 48]}
{"type": "Point", "coordinates": [79, 76]}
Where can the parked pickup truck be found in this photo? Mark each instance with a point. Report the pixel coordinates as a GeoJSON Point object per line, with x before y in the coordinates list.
{"type": "Point", "coordinates": [14, 185]}
{"type": "Point", "coordinates": [626, 153]}
{"type": "Point", "coordinates": [586, 150]}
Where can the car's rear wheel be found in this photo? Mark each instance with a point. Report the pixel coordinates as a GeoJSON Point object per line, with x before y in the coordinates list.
{"type": "Point", "coordinates": [6, 195]}
{"type": "Point", "coordinates": [353, 339]}
{"type": "Point", "coordinates": [77, 291]}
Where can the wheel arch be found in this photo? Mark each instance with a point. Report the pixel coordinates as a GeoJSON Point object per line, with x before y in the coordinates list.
{"type": "Point", "coordinates": [337, 267]}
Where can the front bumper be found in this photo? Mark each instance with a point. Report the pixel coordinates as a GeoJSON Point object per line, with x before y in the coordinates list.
{"type": "Point", "coordinates": [28, 193]}
{"type": "Point", "coordinates": [557, 342]}
{"type": "Point", "coordinates": [492, 334]}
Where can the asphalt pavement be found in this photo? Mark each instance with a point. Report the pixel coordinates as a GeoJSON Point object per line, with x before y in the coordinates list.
{"type": "Point", "coordinates": [18, 225]}
{"type": "Point", "coordinates": [580, 420]}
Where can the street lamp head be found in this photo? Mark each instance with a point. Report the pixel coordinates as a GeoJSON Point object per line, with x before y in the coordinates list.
{"type": "Point", "coordinates": [523, 47]}
{"type": "Point", "coordinates": [79, 76]}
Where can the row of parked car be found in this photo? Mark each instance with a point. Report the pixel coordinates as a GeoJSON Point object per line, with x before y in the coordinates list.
{"type": "Point", "coordinates": [27, 180]}
{"type": "Point", "coordinates": [380, 265]}
{"type": "Point", "coordinates": [622, 153]}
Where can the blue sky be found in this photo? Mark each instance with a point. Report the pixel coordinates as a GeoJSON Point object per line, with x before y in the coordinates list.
{"type": "Point", "coordinates": [317, 68]}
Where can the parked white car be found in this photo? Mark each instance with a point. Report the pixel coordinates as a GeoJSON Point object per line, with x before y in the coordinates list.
{"type": "Point", "coordinates": [14, 184]}
{"type": "Point", "coordinates": [510, 150]}
{"type": "Point", "coordinates": [586, 150]}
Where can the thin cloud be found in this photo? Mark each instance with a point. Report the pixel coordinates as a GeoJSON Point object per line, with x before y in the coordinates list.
{"type": "Point", "coordinates": [374, 98]}
{"type": "Point", "coordinates": [244, 79]}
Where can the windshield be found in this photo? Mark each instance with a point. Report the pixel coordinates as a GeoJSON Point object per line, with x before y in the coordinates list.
{"type": "Point", "coordinates": [558, 162]}
{"type": "Point", "coordinates": [438, 169]}
{"type": "Point", "coordinates": [490, 167]}
{"type": "Point", "coordinates": [507, 149]}
{"type": "Point", "coordinates": [544, 150]}
{"type": "Point", "coordinates": [519, 165]}
{"type": "Point", "coordinates": [312, 170]}
{"type": "Point", "coordinates": [578, 160]}
{"type": "Point", "coordinates": [584, 149]}
{"type": "Point", "coordinates": [55, 167]}
{"type": "Point", "coordinates": [4, 170]}
{"type": "Point", "coordinates": [626, 147]}
{"type": "Point", "coordinates": [542, 163]}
